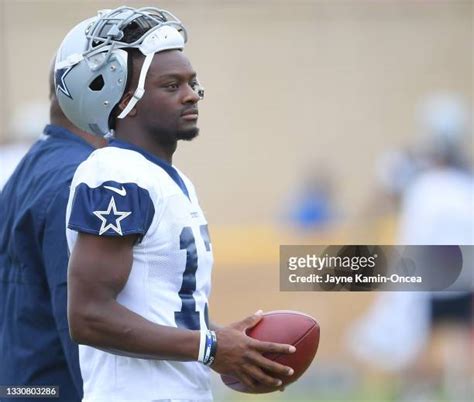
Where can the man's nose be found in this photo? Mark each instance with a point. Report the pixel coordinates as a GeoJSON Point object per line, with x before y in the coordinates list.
{"type": "Point", "coordinates": [191, 96]}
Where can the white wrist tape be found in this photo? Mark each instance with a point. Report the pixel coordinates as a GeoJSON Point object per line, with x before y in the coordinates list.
{"type": "Point", "coordinates": [202, 345]}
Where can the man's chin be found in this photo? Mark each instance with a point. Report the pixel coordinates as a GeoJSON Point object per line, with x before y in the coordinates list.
{"type": "Point", "coordinates": [188, 135]}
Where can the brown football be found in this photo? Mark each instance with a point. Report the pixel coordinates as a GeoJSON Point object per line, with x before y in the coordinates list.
{"type": "Point", "coordinates": [290, 327]}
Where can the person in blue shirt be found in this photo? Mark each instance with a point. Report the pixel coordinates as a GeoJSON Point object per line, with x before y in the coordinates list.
{"type": "Point", "coordinates": [35, 346]}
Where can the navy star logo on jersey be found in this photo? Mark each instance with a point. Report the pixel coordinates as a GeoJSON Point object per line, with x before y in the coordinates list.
{"type": "Point", "coordinates": [59, 80]}
{"type": "Point", "coordinates": [111, 218]}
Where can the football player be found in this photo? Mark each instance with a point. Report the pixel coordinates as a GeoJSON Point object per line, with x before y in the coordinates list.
{"type": "Point", "coordinates": [140, 268]}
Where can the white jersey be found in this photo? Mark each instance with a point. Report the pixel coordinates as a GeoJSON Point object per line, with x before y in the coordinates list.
{"type": "Point", "coordinates": [122, 190]}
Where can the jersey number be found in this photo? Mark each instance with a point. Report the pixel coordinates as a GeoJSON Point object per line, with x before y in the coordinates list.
{"type": "Point", "coordinates": [188, 317]}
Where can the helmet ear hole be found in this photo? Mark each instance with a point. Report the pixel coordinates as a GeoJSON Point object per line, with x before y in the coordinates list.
{"type": "Point", "coordinates": [97, 84]}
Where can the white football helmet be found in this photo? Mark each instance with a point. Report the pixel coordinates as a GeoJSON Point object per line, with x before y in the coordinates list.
{"type": "Point", "coordinates": [91, 65]}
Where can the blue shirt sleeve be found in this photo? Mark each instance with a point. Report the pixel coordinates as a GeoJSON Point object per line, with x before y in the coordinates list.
{"type": "Point", "coordinates": [111, 209]}
{"type": "Point", "coordinates": [55, 259]}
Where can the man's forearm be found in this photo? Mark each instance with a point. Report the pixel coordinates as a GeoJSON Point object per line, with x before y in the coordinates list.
{"type": "Point", "coordinates": [114, 328]}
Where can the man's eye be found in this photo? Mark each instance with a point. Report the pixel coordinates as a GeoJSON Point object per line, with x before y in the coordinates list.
{"type": "Point", "coordinates": [172, 86]}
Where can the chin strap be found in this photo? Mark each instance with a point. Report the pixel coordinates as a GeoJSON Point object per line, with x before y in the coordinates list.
{"type": "Point", "coordinates": [137, 95]}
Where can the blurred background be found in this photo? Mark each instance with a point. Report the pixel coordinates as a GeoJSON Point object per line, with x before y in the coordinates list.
{"type": "Point", "coordinates": [324, 122]}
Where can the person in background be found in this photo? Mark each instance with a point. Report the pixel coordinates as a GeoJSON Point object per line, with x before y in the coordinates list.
{"type": "Point", "coordinates": [436, 208]}
{"type": "Point", "coordinates": [35, 346]}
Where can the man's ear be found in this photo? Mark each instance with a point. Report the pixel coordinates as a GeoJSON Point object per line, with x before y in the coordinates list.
{"type": "Point", "coordinates": [124, 102]}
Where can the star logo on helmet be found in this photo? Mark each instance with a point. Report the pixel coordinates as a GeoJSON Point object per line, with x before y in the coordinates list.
{"type": "Point", "coordinates": [110, 219]}
{"type": "Point", "coordinates": [59, 80]}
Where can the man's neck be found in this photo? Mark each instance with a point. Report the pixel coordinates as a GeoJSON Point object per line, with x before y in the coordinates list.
{"type": "Point", "coordinates": [162, 151]}
{"type": "Point", "coordinates": [94, 140]}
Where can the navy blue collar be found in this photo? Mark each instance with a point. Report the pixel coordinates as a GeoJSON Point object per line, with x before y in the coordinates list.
{"type": "Point", "coordinates": [64, 134]}
{"type": "Point", "coordinates": [172, 172]}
